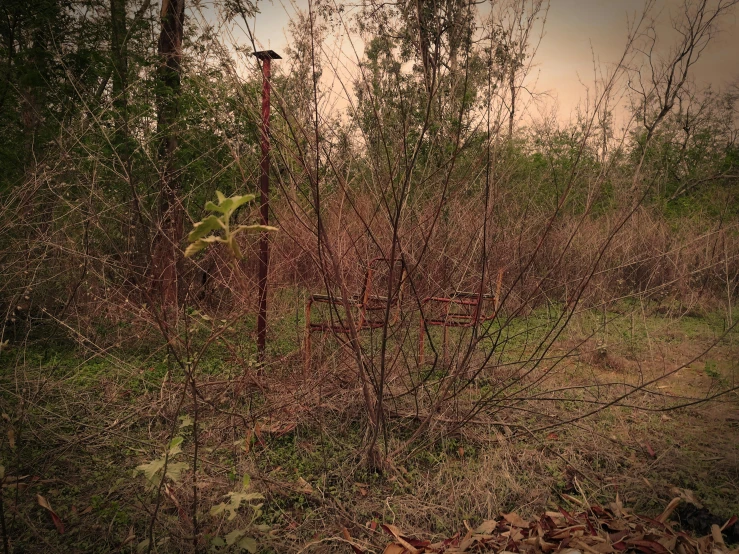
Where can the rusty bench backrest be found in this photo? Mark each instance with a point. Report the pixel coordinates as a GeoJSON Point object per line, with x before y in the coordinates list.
{"type": "Point", "coordinates": [383, 277]}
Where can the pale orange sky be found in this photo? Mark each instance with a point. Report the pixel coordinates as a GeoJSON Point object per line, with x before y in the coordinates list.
{"type": "Point", "coordinates": [575, 30]}
{"type": "Point", "coordinates": [574, 26]}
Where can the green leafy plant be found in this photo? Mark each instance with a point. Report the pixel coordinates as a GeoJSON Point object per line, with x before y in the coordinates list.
{"type": "Point", "coordinates": [238, 537]}
{"type": "Point", "coordinates": [200, 236]}
{"type": "Point", "coordinates": [155, 471]}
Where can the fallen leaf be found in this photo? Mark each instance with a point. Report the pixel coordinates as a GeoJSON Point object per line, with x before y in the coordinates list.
{"type": "Point", "coordinates": [650, 450]}
{"type": "Point", "coordinates": [517, 520]}
{"type": "Point", "coordinates": [129, 539]}
{"type": "Point", "coordinates": [180, 511]}
{"type": "Point", "coordinates": [552, 436]}
{"type": "Point", "coordinates": [278, 429]}
{"type": "Point", "coordinates": [54, 517]}
{"type": "Point", "coordinates": [687, 495]}
{"type": "Point", "coordinates": [348, 538]}
{"type": "Point", "coordinates": [11, 438]}
{"type": "Point", "coordinates": [717, 537]}
{"type": "Point", "coordinates": [664, 516]}
{"type": "Point", "coordinates": [668, 542]}
{"type": "Point", "coordinates": [617, 507]}
{"type": "Point", "coordinates": [395, 532]}
{"type": "Point", "coordinates": [651, 545]}
{"type": "Point", "coordinates": [304, 486]}
{"type": "Point", "coordinates": [731, 521]}
{"type": "Point", "coordinates": [393, 548]}
{"type": "Point", "coordinates": [487, 527]}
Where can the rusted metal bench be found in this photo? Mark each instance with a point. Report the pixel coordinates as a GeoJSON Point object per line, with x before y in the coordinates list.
{"type": "Point", "coordinates": [369, 306]}
{"type": "Point", "coordinates": [461, 309]}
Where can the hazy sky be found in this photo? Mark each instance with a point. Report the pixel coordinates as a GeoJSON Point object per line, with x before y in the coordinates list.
{"type": "Point", "coordinates": [575, 31]}
{"type": "Point", "coordinates": [578, 28]}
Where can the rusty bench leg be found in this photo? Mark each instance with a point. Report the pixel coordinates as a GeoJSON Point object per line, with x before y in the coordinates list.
{"type": "Point", "coordinates": [446, 341]}
{"type": "Point", "coordinates": [307, 341]}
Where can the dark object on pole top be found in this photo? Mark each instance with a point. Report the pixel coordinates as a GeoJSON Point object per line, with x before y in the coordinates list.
{"type": "Point", "coordinates": [267, 55]}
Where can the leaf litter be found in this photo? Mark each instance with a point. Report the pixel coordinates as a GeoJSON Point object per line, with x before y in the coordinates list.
{"type": "Point", "coordinates": [610, 529]}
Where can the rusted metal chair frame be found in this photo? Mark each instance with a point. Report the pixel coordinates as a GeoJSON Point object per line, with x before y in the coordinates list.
{"type": "Point", "coordinates": [473, 302]}
{"type": "Point", "coordinates": [365, 303]}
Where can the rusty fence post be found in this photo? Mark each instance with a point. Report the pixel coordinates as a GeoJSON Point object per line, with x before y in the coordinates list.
{"type": "Point", "coordinates": [266, 57]}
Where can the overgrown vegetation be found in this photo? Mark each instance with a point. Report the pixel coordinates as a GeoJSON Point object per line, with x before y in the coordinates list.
{"type": "Point", "coordinates": [590, 269]}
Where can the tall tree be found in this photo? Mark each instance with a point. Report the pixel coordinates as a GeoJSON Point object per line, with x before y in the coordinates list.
{"type": "Point", "coordinates": [119, 52]}
{"type": "Point", "coordinates": [169, 232]}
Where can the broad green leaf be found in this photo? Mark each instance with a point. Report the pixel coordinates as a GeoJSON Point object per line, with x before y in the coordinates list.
{"type": "Point", "coordinates": [174, 470]}
{"type": "Point", "coordinates": [233, 536]}
{"type": "Point", "coordinates": [217, 541]}
{"type": "Point", "coordinates": [239, 201]}
{"type": "Point", "coordinates": [218, 509]}
{"type": "Point", "coordinates": [246, 481]}
{"type": "Point", "coordinates": [185, 421]}
{"type": "Point", "coordinates": [174, 445]}
{"type": "Point", "coordinates": [198, 245]}
{"type": "Point", "coordinates": [227, 206]}
{"type": "Point", "coordinates": [194, 248]}
{"type": "Point", "coordinates": [212, 239]}
{"type": "Point", "coordinates": [255, 227]}
{"type": "Point", "coordinates": [202, 228]}
{"type": "Point", "coordinates": [247, 496]}
{"type": "Point", "coordinates": [248, 544]}
{"type": "Point", "coordinates": [211, 207]}
{"type": "Point", "coordinates": [234, 503]}
{"type": "Point", "coordinates": [152, 468]}
{"type": "Point", "coordinates": [200, 235]}
{"type": "Point", "coordinates": [235, 248]}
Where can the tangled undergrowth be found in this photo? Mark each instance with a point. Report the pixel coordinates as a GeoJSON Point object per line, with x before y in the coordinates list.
{"type": "Point", "coordinates": [279, 455]}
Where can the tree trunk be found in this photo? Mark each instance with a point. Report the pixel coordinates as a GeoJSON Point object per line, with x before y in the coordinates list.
{"type": "Point", "coordinates": [119, 55]}
{"type": "Point", "coordinates": [167, 251]}
{"type": "Point", "coordinates": [512, 112]}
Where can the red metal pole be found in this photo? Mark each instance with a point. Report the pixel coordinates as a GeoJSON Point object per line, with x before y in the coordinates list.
{"type": "Point", "coordinates": [264, 211]}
